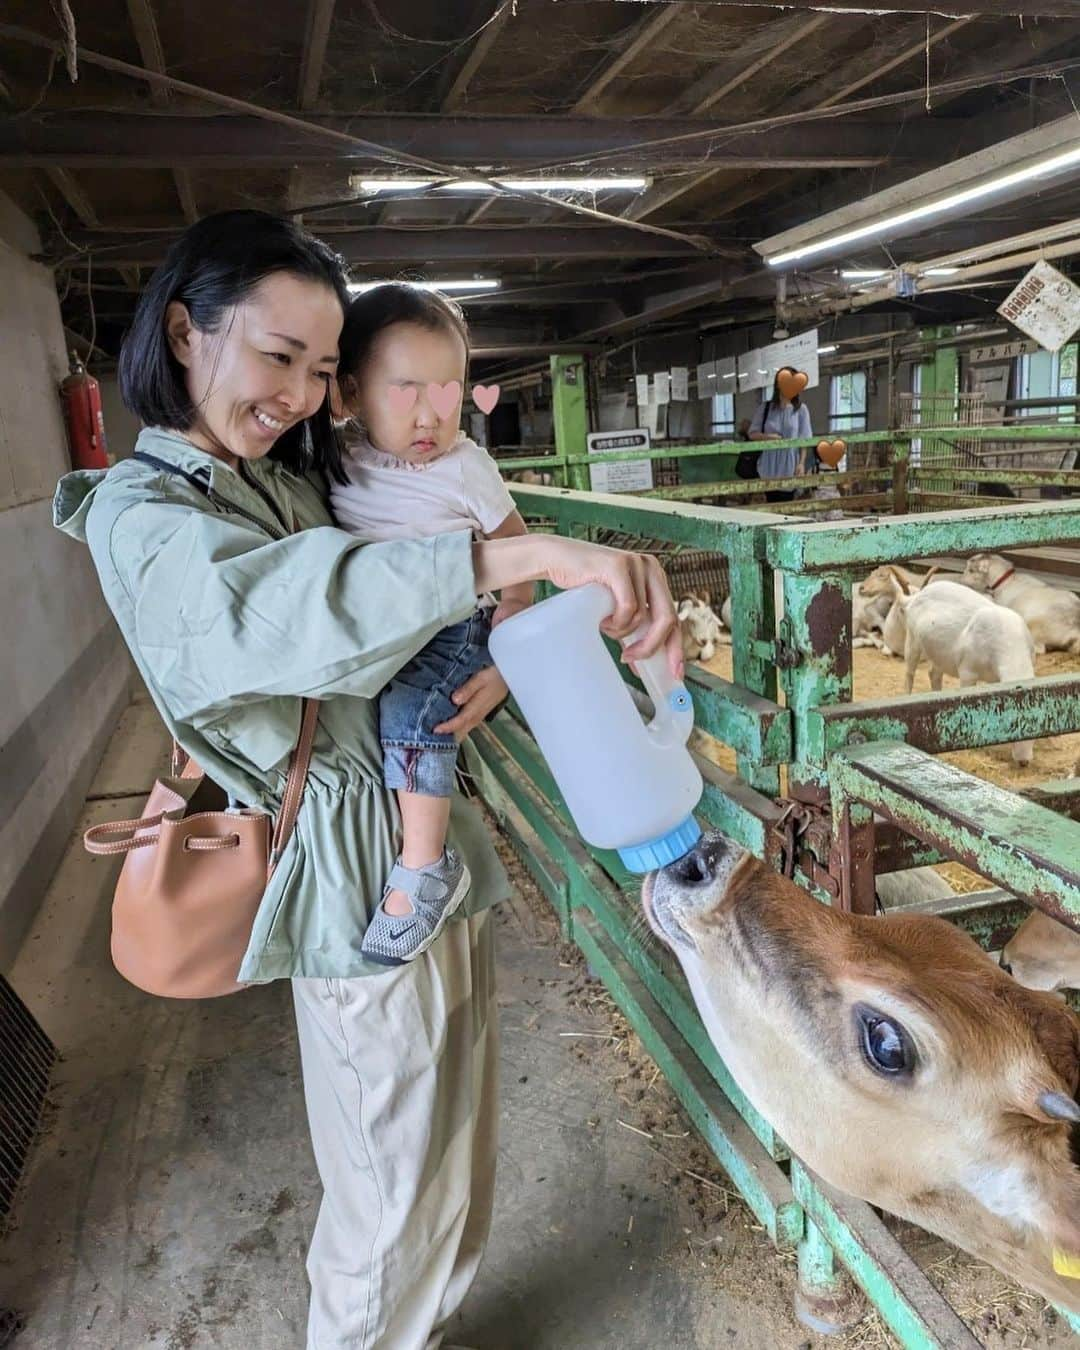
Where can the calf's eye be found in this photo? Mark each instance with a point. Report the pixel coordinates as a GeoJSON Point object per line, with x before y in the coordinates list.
{"type": "Point", "coordinates": [886, 1046]}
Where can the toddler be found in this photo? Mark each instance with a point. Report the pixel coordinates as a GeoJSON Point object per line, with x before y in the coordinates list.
{"type": "Point", "coordinates": [412, 473]}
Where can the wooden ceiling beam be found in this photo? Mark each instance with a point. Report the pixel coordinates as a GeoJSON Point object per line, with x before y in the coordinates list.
{"type": "Point", "coordinates": [727, 76]}
{"type": "Point", "coordinates": [642, 36]}
{"type": "Point", "coordinates": [319, 16]}
{"type": "Point", "coordinates": [419, 247]}
{"type": "Point", "coordinates": [1035, 45]}
{"type": "Point", "coordinates": [142, 140]}
{"type": "Point", "coordinates": [953, 9]}
{"type": "Point", "coordinates": [488, 36]}
{"type": "Point", "coordinates": [75, 197]}
{"type": "Point", "coordinates": [144, 25]}
{"type": "Point", "coordinates": [718, 83]}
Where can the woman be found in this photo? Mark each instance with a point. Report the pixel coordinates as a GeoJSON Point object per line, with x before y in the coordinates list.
{"type": "Point", "coordinates": [782, 418]}
{"type": "Point", "coordinates": [237, 597]}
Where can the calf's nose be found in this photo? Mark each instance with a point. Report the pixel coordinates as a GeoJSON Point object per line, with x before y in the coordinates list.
{"type": "Point", "coordinates": [698, 867]}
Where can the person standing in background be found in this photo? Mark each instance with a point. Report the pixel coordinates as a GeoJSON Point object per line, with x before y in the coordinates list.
{"type": "Point", "coordinates": [780, 418]}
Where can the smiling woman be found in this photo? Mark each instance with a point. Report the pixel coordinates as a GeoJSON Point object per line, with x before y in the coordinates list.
{"type": "Point", "coordinates": [248, 346]}
{"type": "Point", "coordinates": [239, 599]}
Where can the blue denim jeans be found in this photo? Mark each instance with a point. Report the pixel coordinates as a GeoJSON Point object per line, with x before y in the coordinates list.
{"type": "Point", "coordinates": [418, 698]}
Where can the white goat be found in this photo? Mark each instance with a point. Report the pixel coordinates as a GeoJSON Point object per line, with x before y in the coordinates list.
{"type": "Point", "coordinates": [962, 633]}
{"type": "Point", "coordinates": [868, 614]}
{"type": "Point", "coordinates": [700, 628]}
{"type": "Point", "coordinates": [1043, 954]}
{"type": "Point", "coordinates": [1052, 614]}
{"type": "Point", "coordinates": [915, 886]}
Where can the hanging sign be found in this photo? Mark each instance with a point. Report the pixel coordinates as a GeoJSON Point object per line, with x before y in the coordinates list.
{"type": "Point", "coordinates": [1000, 351]}
{"type": "Point", "coordinates": [757, 369]}
{"type": "Point", "coordinates": [1045, 306]}
{"type": "Point", "coordinates": [680, 384]}
{"type": "Point", "coordinates": [750, 372]}
{"type": "Point", "coordinates": [662, 386]}
{"type": "Point", "coordinates": [707, 383]}
{"type": "Point", "coordinates": [621, 475]}
{"type": "Point", "coordinates": [725, 375]}
{"type": "Point", "coordinates": [641, 383]}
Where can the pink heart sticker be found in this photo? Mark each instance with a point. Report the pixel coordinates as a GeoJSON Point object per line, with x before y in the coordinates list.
{"type": "Point", "coordinates": [485, 396]}
{"type": "Point", "coordinates": [444, 398]}
{"type": "Point", "coordinates": [402, 398]}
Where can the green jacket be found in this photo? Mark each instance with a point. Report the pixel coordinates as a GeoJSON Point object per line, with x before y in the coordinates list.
{"type": "Point", "coordinates": [231, 620]}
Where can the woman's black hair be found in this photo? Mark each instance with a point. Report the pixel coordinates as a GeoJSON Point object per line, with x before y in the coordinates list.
{"type": "Point", "coordinates": [395, 302]}
{"type": "Point", "coordinates": [215, 264]}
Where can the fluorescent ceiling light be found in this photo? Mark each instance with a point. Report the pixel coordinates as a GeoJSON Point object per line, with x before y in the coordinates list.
{"type": "Point", "coordinates": [511, 184]}
{"type": "Point", "coordinates": [859, 274]}
{"type": "Point", "coordinates": [824, 351]}
{"type": "Point", "coordinates": [480, 284]}
{"type": "Point", "coordinates": [1042, 168]}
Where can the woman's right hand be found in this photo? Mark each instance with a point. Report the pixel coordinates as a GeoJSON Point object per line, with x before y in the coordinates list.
{"type": "Point", "coordinates": [636, 580]}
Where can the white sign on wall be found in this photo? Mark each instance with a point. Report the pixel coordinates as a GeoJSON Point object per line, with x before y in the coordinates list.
{"type": "Point", "coordinates": [1045, 306]}
{"type": "Point", "coordinates": [726, 375]}
{"type": "Point", "coordinates": [750, 369]}
{"type": "Point", "coordinates": [757, 369]}
{"type": "Point", "coordinates": [624, 475]}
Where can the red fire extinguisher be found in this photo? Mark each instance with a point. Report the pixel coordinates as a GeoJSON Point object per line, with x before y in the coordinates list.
{"type": "Point", "coordinates": [81, 396]}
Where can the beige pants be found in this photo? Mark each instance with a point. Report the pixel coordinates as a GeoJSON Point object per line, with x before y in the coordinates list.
{"type": "Point", "coordinates": [400, 1082]}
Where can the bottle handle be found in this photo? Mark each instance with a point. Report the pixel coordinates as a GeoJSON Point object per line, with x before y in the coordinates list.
{"type": "Point", "coordinates": [673, 718]}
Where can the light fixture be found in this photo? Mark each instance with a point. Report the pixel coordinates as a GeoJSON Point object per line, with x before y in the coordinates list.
{"type": "Point", "coordinates": [868, 274]}
{"type": "Point", "coordinates": [824, 351]}
{"type": "Point", "coordinates": [511, 184]}
{"type": "Point", "coordinates": [479, 284]}
{"type": "Point", "coordinates": [1002, 170]}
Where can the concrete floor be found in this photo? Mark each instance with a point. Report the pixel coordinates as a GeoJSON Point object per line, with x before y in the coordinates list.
{"type": "Point", "coordinates": [173, 1191]}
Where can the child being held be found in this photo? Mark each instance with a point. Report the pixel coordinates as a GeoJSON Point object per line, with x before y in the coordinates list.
{"type": "Point", "coordinates": [412, 474]}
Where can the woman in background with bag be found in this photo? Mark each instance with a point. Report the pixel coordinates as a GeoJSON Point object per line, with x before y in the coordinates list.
{"type": "Point", "coordinates": [782, 418]}
{"type": "Point", "coordinates": [238, 599]}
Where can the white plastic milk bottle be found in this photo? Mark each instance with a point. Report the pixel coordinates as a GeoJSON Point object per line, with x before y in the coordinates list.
{"type": "Point", "coordinates": [629, 785]}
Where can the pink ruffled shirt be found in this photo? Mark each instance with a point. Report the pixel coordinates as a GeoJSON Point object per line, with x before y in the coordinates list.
{"type": "Point", "coordinates": [388, 498]}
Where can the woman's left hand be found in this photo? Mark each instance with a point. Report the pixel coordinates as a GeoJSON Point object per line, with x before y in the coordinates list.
{"type": "Point", "coordinates": [478, 696]}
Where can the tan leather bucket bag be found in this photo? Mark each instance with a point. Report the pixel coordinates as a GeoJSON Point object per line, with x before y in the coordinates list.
{"type": "Point", "coordinates": [193, 878]}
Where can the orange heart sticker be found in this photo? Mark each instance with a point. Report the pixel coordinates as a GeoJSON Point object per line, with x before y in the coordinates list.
{"type": "Point", "coordinates": [791, 383]}
{"type": "Point", "coordinates": [831, 452]}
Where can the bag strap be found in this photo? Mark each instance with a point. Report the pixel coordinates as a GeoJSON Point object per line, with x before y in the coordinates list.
{"type": "Point", "coordinates": [96, 838]}
{"type": "Point", "coordinates": [295, 783]}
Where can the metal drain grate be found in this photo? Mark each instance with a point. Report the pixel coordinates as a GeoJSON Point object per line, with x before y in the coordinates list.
{"type": "Point", "coordinates": [26, 1059]}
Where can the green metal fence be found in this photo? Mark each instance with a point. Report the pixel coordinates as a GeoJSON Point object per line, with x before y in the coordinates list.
{"type": "Point", "coordinates": [862, 792]}
{"type": "Point", "coordinates": [879, 475]}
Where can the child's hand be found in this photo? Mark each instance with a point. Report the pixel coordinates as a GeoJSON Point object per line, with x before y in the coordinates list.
{"type": "Point", "coordinates": [477, 697]}
{"type": "Point", "coordinates": [506, 609]}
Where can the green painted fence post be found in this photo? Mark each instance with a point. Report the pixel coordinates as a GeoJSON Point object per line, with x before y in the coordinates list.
{"type": "Point", "coordinates": [825, 1299]}
{"type": "Point", "coordinates": [570, 416]}
{"type": "Point", "coordinates": [815, 660]}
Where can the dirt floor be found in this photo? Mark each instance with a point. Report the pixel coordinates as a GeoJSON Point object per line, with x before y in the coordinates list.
{"type": "Point", "coordinates": [723, 1249]}
{"type": "Point", "coordinates": [879, 675]}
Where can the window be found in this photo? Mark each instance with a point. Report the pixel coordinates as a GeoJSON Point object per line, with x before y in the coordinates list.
{"type": "Point", "coordinates": [723, 414]}
{"type": "Point", "coordinates": [847, 401]}
{"type": "Point", "coordinates": [1048, 375]}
